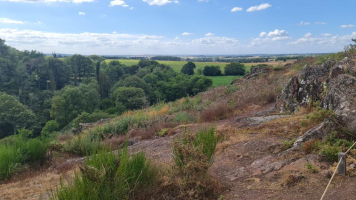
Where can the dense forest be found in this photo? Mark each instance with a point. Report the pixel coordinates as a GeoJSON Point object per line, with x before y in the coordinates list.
{"type": "Point", "coordinates": [40, 92]}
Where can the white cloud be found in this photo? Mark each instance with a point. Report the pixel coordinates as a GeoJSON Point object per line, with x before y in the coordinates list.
{"type": "Point", "coordinates": [203, 0]}
{"type": "Point", "coordinates": [269, 38]}
{"type": "Point", "coordinates": [320, 23]}
{"type": "Point", "coordinates": [235, 9]}
{"type": "Point", "coordinates": [38, 22]}
{"type": "Point", "coordinates": [81, 13]}
{"type": "Point", "coordinates": [215, 41]}
{"type": "Point", "coordinates": [177, 2]}
{"type": "Point", "coordinates": [118, 3]}
{"type": "Point", "coordinates": [260, 7]}
{"type": "Point", "coordinates": [186, 33]}
{"type": "Point", "coordinates": [263, 34]}
{"type": "Point", "coordinates": [347, 26]}
{"type": "Point", "coordinates": [10, 21]}
{"type": "Point", "coordinates": [277, 33]}
{"type": "Point", "coordinates": [335, 41]}
{"type": "Point", "coordinates": [303, 23]}
{"type": "Point", "coordinates": [139, 44]}
{"type": "Point", "coordinates": [209, 34]}
{"type": "Point", "coordinates": [157, 2]}
{"type": "Point", "coordinates": [115, 43]}
{"type": "Point", "coordinates": [308, 35]}
{"type": "Point", "coordinates": [50, 1]}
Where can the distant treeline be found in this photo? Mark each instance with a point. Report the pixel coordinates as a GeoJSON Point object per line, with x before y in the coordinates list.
{"type": "Point", "coordinates": [125, 58]}
{"type": "Point", "coordinates": [289, 58]}
{"type": "Point", "coordinates": [237, 60]}
{"type": "Point", "coordinates": [166, 58]}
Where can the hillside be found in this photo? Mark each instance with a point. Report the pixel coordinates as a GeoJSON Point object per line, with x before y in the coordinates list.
{"type": "Point", "coordinates": [265, 149]}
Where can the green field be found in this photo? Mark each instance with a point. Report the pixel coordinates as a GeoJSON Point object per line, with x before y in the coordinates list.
{"type": "Point", "coordinates": [223, 80]}
{"type": "Point", "coordinates": [177, 65]}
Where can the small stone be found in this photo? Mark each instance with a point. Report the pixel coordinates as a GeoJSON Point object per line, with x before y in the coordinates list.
{"type": "Point", "coordinates": [352, 166]}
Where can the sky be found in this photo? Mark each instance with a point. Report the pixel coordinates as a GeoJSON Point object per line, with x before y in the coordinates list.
{"type": "Point", "coordinates": [178, 27]}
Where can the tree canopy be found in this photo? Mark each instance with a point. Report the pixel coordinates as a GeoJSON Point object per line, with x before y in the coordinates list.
{"type": "Point", "coordinates": [71, 101]}
{"type": "Point", "coordinates": [188, 68]}
{"type": "Point", "coordinates": [13, 115]}
{"type": "Point", "coordinates": [234, 69]}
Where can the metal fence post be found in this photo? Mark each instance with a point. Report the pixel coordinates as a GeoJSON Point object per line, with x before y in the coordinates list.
{"type": "Point", "coordinates": [342, 166]}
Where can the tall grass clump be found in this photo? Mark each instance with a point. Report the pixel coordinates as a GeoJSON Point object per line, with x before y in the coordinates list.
{"type": "Point", "coordinates": [84, 145]}
{"type": "Point", "coordinates": [111, 176]}
{"type": "Point", "coordinates": [10, 160]}
{"type": "Point", "coordinates": [193, 156]}
{"type": "Point", "coordinates": [17, 151]}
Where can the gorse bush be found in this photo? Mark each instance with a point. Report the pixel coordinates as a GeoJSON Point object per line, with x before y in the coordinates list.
{"type": "Point", "coordinates": [110, 176]}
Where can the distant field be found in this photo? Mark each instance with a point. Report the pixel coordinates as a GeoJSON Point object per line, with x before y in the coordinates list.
{"type": "Point", "coordinates": [177, 65]}
{"type": "Point", "coordinates": [223, 80]}
{"type": "Point", "coordinates": [217, 80]}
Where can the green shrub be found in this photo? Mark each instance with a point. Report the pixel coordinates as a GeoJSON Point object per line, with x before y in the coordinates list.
{"type": "Point", "coordinates": [311, 168]}
{"type": "Point", "coordinates": [92, 117]}
{"type": "Point", "coordinates": [320, 114]}
{"type": "Point", "coordinates": [183, 117]}
{"type": "Point", "coordinates": [287, 144]}
{"type": "Point", "coordinates": [110, 176]}
{"type": "Point", "coordinates": [330, 151]}
{"type": "Point", "coordinates": [50, 127]}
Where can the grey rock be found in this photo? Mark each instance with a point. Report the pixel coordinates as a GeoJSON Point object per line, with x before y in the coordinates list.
{"type": "Point", "coordinates": [255, 121]}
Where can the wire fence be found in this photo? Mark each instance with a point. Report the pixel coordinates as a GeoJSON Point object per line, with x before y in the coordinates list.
{"type": "Point", "coordinates": [337, 168]}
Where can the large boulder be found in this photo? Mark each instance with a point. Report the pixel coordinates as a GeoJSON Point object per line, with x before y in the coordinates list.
{"type": "Point", "coordinates": [315, 83]}
{"type": "Point", "coordinates": [331, 85]}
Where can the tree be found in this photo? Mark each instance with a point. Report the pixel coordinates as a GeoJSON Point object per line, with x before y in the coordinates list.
{"type": "Point", "coordinates": [71, 101]}
{"type": "Point", "coordinates": [13, 115]}
{"type": "Point", "coordinates": [199, 84]}
{"type": "Point", "coordinates": [146, 63]}
{"type": "Point", "coordinates": [188, 68]}
{"type": "Point", "coordinates": [132, 98]}
{"type": "Point", "coordinates": [81, 66]}
{"type": "Point", "coordinates": [212, 71]}
{"type": "Point", "coordinates": [114, 71]}
{"type": "Point", "coordinates": [234, 69]}
{"type": "Point", "coordinates": [50, 127]}
{"type": "Point", "coordinates": [133, 81]}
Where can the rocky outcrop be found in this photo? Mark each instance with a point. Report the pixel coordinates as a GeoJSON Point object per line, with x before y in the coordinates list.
{"type": "Point", "coordinates": [331, 85]}
{"type": "Point", "coordinates": [258, 71]}
{"type": "Point", "coordinates": [255, 71]}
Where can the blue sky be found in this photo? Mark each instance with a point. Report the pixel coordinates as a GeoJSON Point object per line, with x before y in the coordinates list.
{"type": "Point", "coordinates": [176, 27]}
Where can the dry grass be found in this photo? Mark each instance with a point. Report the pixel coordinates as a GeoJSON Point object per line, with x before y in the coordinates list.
{"type": "Point", "coordinates": [289, 180]}
{"type": "Point", "coordinates": [36, 188]}
{"type": "Point", "coordinates": [216, 112]}
{"type": "Point", "coordinates": [151, 131]}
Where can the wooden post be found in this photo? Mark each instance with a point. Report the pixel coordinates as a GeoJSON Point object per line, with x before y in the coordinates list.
{"type": "Point", "coordinates": [342, 166]}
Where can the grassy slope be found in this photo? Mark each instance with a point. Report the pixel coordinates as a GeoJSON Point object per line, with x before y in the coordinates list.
{"type": "Point", "coordinates": [223, 80]}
